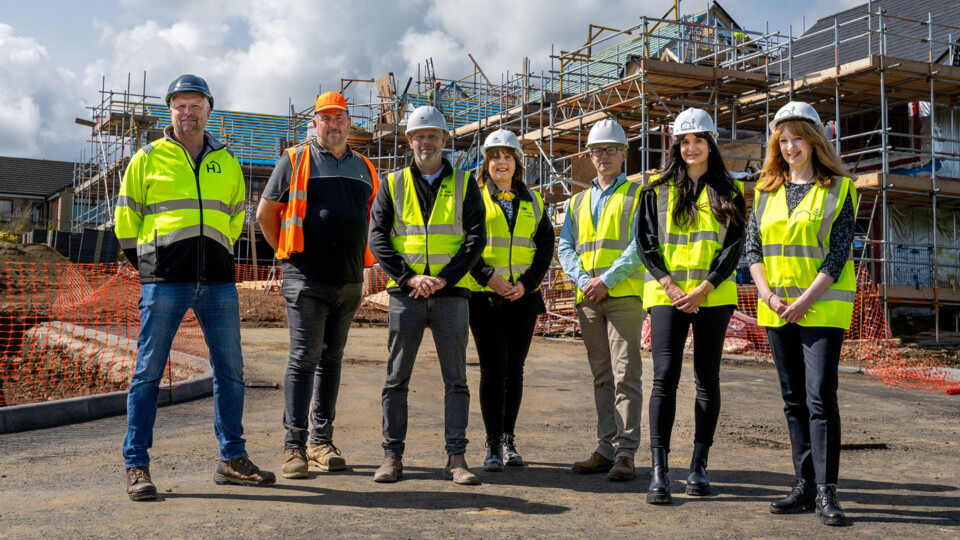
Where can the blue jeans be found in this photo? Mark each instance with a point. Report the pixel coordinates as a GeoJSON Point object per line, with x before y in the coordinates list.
{"type": "Point", "coordinates": [162, 307]}
{"type": "Point", "coordinates": [447, 317]}
{"type": "Point", "coordinates": [319, 316]}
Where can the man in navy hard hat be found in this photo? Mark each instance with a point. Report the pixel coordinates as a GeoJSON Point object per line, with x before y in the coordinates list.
{"type": "Point", "coordinates": [179, 213]}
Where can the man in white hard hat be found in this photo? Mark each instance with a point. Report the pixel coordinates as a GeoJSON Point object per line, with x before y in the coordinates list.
{"type": "Point", "coordinates": [597, 252]}
{"type": "Point", "coordinates": [428, 204]}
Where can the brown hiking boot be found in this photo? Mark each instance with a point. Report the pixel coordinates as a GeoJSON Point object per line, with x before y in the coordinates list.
{"type": "Point", "coordinates": [595, 465]}
{"type": "Point", "coordinates": [390, 471]}
{"type": "Point", "coordinates": [243, 472]}
{"type": "Point", "coordinates": [294, 463]}
{"type": "Point", "coordinates": [458, 471]}
{"type": "Point", "coordinates": [326, 457]}
{"type": "Point", "coordinates": [139, 485]}
{"type": "Point", "coordinates": [622, 471]}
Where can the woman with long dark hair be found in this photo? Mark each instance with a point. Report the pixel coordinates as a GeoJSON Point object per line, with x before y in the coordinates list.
{"type": "Point", "coordinates": [798, 247]}
{"type": "Point", "coordinates": [689, 233]}
{"type": "Point", "coordinates": [506, 298]}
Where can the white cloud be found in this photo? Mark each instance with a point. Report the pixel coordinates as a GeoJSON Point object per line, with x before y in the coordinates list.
{"type": "Point", "coordinates": [38, 101]}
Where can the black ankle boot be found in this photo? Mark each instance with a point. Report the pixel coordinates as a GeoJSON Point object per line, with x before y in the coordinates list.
{"type": "Point", "coordinates": [799, 500]}
{"type": "Point", "coordinates": [659, 490]}
{"type": "Point", "coordinates": [698, 484]}
{"type": "Point", "coordinates": [828, 505]}
{"type": "Point", "coordinates": [494, 459]}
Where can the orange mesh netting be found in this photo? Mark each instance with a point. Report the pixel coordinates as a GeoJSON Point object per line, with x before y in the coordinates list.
{"type": "Point", "coordinates": [71, 329]}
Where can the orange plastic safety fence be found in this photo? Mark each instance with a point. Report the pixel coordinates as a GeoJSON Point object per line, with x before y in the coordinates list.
{"type": "Point", "coordinates": [71, 329]}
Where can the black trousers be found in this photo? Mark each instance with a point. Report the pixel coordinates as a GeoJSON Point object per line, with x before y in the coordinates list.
{"type": "Point", "coordinates": [668, 330]}
{"type": "Point", "coordinates": [502, 331]}
{"type": "Point", "coordinates": [807, 360]}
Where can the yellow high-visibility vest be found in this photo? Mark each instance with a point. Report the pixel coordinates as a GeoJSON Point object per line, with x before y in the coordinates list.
{"type": "Point", "coordinates": [433, 244]}
{"type": "Point", "coordinates": [598, 247]}
{"type": "Point", "coordinates": [510, 255]}
{"type": "Point", "coordinates": [689, 251]}
{"type": "Point", "coordinates": [794, 247]}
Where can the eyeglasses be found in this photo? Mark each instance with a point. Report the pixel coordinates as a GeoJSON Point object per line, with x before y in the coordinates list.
{"type": "Point", "coordinates": [610, 151]}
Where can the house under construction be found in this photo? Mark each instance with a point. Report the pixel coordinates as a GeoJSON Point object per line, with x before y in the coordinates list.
{"type": "Point", "coordinates": [884, 77]}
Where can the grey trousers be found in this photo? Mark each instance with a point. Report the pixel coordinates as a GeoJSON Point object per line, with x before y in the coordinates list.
{"type": "Point", "coordinates": [448, 318]}
{"type": "Point", "coordinates": [611, 333]}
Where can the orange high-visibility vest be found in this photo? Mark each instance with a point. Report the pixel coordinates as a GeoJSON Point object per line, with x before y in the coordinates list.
{"type": "Point", "coordinates": [291, 217]}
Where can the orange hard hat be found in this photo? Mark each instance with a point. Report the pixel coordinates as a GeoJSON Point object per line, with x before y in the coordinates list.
{"type": "Point", "coordinates": [330, 100]}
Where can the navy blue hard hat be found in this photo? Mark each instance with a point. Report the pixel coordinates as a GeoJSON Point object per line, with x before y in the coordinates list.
{"type": "Point", "coordinates": [189, 83]}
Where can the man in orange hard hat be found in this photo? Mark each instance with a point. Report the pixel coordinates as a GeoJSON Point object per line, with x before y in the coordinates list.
{"type": "Point", "coordinates": [314, 211]}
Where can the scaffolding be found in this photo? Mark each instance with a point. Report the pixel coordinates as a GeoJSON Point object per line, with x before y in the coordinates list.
{"type": "Point", "coordinates": [644, 75]}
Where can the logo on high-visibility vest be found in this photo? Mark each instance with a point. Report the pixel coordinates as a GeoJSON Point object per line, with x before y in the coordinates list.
{"type": "Point", "coordinates": [213, 167]}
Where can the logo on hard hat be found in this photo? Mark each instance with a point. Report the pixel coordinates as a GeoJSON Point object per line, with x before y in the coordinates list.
{"type": "Point", "coordinates": [689, 124]}
{"type": "Point", "coordinates": [791, 110]}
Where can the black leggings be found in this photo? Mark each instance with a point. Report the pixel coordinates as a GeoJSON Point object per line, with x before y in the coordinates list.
{"type": "Point", "coordinates": [502, 331]}
{"type": "Point", "coordinates": [668, 329]}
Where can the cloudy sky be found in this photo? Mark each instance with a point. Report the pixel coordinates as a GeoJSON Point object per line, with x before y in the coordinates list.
{"type": "Point", "coordinates": [259, 54]}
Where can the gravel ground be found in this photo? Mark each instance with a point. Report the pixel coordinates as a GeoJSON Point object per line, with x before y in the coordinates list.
{"type": "Point", "coordinates": [900, 468]}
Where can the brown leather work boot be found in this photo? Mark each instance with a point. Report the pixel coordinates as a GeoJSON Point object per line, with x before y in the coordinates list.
{"type": "Point", "coordinates": [139, 485]}
{"type": "Point", "coordinates": [594, 465]}
{"type": "Point", "coordinates": [390, 471]}
{"type": "Point", "coordinates": [294, 463]}
{"type": "Point", "coordinates": [326, 457]}
{"type": "Point", "coordinates": [242, 471]}
{"type": "Point", "coordinates": [458, 471]}
{"type": "Point", "coordinates": [622, 471]}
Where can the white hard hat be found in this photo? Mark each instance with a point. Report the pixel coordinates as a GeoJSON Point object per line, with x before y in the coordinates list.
{"type": "Point", "coordinates": [796, 110]}
{"type": "Point", "coordinates": [606, 131]}
{"type": "Point", "coordinates": [694, 121]}
{"type": "Point", "coordinates": [503, 138]}
{"type": "Point", "coordinates": [426, 117]}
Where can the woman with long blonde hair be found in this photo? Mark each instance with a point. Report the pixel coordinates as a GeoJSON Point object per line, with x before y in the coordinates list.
{"type": "Point", "coordinates": [798, 246]}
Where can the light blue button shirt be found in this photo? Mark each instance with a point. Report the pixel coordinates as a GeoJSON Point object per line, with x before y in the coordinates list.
{"type": "Point", "coordinates": [626, 264]}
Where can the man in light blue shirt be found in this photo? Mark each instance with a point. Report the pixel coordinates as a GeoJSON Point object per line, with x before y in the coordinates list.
{"type": "Point", "coordinates": [597, 253]}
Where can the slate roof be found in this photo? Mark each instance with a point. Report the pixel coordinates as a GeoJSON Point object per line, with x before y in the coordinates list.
{"type": "Point", "coordinates": [34, 177]}
{"type": "Point", "coordinates": [944, 12]}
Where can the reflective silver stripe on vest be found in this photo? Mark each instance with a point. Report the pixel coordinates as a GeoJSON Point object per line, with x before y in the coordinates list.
{"type": "Point", "coordinates": [237, 208]}
{"type": "Point", "coordinates": [129, 202]}
{"type": "Point", "coordinates": [699, 274]}
{"type": "Point", "coordinates": [831, 210]}
{"type": "Point", "coordinates": [779, 250]}
{"type": "Point", "coordinates": [420, 258]}
{"type": "Point", "coordinates": [701, 236]}
{"type": "Point", "coordinates": [127, 243]}
{"type": "Point", "coordinates": [298, 194]}
{"type": "Point", "coordinates": [398, 188]}
{"type": "Point", "coordinates": [576, 202]}
{"type": "Point", "coordinates": [607, 243]}
{"type": "Point", "coordinates": [186, 204]}
{"type": "Point", "coordinates": [760, 204]}
{"type": "Point", "coordinates": [830, 295]}
{"type": "Point", "coordinates": [459, 177]}
{"type": "Point", "coordinates": [663, 209]}
{"type": "Point", "coordinates": [294, 219]}
{"type": "Point", "coordinates": [522, 242]}
{"type": "Point", "coordinates": [537, 211]}
{"type": "Point", "coordinates": [518, 268]}
{"type": "Point", "coordinates": [498, 242]}
{"type": "Point", "coordinates": [185, 234]}
{"type": "Point", "coordinates": [626, 212]}
{"type": "Point", "coordinates": [407, 230]}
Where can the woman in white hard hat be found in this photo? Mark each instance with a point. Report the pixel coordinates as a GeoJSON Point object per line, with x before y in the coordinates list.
{"type": "Point", "coordinates": [689, 232]}
{"type": "Point", "coordinates": [506, 300]}
{"type": "Point", "coordinates": [798, 246]}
